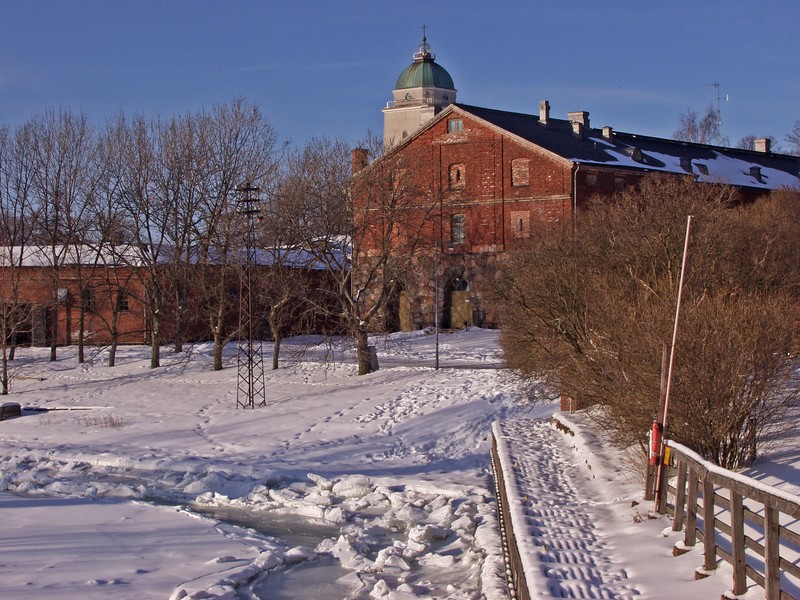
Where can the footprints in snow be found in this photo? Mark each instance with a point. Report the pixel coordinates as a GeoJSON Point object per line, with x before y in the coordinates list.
{"type": "Point", "coordinates": [574, 560]}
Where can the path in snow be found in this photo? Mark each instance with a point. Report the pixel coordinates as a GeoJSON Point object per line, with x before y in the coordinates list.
{"type": "Point", "coordinates": [570, 558]}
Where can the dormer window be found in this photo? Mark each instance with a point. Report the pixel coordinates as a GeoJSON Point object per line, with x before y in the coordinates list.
{"type": "Point", "coordinates": [702, 168]}
{"type": "Point", "coordinates": [455, 126]}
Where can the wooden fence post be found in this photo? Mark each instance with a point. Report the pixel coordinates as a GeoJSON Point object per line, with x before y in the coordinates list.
{"type": "Point", "coordinates": [737, 541]}
{"type": "Point", "coordinates": [709, 527]}
{"type": "Point", "coordinates": [690, 537]}
{"type": "Point", "coordinates": [680, 496]}
{"type": "Point", "coordinates": [772, 557]}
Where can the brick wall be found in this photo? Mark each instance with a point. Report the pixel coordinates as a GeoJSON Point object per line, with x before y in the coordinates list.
{"type": "Point", "coordinates": [469, 178]}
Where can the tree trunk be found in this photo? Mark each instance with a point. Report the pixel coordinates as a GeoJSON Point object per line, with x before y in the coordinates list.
{"type": "Point", "coordinates": [54, 334]}
{"type": "Point", "coordinates": [362, 351]}
{"type": "Point", "coordinates": [81, 326]}
{"type": "Point", "coordinates": [276, 350]}
{"type": "Point", "coordinates": [112, 352]}
{"type": "Point", "coordinates": [155, 356]}
{"type": "Point", "coordinates": [217, 350]}
{"type": "Point", "coordinates": [179, 331]}
{"type": "Point", "coordinates": [4, 375]}
{"type": "Point", "coordinates": [276, 337]}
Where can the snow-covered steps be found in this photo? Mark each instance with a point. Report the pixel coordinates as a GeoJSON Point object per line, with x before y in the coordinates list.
{"type": "Point", "coordinates": [559, 552]}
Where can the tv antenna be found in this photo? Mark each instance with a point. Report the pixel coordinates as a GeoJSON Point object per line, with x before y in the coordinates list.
{"type": "Point", "coordinates": [716, 85]}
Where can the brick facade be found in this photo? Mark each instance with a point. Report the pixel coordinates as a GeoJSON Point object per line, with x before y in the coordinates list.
{"type": "Point", "coordinates": [491, 176]}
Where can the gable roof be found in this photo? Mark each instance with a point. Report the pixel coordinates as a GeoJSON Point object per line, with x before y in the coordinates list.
{"type": "Point", "coordinates": [712, 164]}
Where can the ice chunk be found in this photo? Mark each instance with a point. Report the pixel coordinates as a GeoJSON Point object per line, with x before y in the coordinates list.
{"type": "Point", "coordinates": [353, 486]}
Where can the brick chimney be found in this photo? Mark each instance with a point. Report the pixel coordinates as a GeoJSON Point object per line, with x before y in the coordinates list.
{"type": "Point", "coordinates": [580, 116]}
{"type": "Point", "coordinates": [544, 112]}
{"type": "Point", "coordinates": [608, 132]}
{"type": "Point", "coordinates": [360, 159]}
{"type": "Point", "coordinates": [763, 145]}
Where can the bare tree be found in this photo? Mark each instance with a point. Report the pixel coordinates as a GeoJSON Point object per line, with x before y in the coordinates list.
{"type": "Point", "coordinates": [700, 129]}
{"type": "Point", "coordinates": [137, 141]}
{"type": "Point", "coordinates": [793, 139]}
{"type": "Point", "coordinates": [589, 313]}
{"type": "Point", "coordinates": [15, 232]}
{"type": "Point", "coordinates": [62, 145]}
{"type": "Point", "coordinates": [376, 219]}
{"type": "Point", "coordinates": [748, 142]}
{"type": "Point", "coordinates": [242, 148]}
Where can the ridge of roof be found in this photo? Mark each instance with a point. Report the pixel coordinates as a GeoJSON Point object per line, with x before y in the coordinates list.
{"type": "Point", "coordinates": [736, 166]}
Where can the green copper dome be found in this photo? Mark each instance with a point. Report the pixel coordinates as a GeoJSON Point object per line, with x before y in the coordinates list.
{"type": "Point", "coordinates": [424, 72]}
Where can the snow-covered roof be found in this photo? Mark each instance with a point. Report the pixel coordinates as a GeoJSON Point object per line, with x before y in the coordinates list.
{"type": "Point", "coordinates": [336, 253]}
{"type": "Point", "coordinates": [46, 256]}
{"type": "Point", "coordinates": [711, 164]}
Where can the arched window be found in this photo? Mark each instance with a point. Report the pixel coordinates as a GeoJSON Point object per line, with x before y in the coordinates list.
{"type": "Point", "coordinates": [456, 177]}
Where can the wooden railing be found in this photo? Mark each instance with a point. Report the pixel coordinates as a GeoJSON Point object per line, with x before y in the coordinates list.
{"type": "Point", "coordinates": [710, 501]}
{"type": "Point", "coordinates": [514, 570]}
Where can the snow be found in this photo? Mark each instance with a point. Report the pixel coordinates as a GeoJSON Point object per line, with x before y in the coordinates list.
{"type": "Point", "coordinates": [721, 168]}
{"type": "Point", "coordinates": [149, 483]}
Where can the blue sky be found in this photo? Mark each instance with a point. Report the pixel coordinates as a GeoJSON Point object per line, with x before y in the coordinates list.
{"type": "Point", "coordinates": [327, 68]}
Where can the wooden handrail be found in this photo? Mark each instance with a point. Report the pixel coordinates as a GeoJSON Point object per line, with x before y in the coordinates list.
{"type": "Point", "coordinates": [695, 474]}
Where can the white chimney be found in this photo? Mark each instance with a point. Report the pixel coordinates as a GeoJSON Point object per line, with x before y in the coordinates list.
{"type": "Point", "coordinates": [608, 132]}
{"type": "Point", "coordinates": [580, 116]}
{"type": "Point", "coordinates": [763, 145]}
{"type": "Point", "coordinates": [544, 112]}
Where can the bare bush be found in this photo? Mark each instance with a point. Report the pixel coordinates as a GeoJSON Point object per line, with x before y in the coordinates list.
{"type": "Point", "coordinates": [590, 313]}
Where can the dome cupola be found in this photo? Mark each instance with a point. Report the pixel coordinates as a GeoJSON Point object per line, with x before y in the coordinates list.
{"type": "Point", "coordinates": [422, 90]}
{"type": "Point", "coordinates": [424, 72]}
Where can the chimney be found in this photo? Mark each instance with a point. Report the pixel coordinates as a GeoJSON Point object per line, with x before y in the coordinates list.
{"type": "Point", "coordinates": [763, 145]}
{"type": "Point", "coordinates": [544, 112]}
{"type": "Point", "coordinates": [608, 132]}
{"type": "Point", "coordinates": [580, 116]}
{"type": "Point", "coordinates": [577, 129]}
{"type": "Point", "coordinates": [360, 159]}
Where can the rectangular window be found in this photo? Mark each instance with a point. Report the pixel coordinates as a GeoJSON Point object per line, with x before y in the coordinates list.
{"type": "Point", "coordinates": [455, 126]}
{"type": "Point", "coordinates": [458, 229]}
{"type": "Point", "coordinates": [88, 300]}
{"type": "Point", "coordinates": [123, 303]}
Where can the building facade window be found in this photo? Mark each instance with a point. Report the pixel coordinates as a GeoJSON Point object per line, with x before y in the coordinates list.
{"type": "Point", "coordinates": [520, 172]}
{"type": "Point", "coordinates": [456, 176]}
{"type": "Point", "coordinates": [591, 179]}
{"type": "Point", "coordinates": [88, 300]}
{"type": "Point", "coordinates": [619, 183]}
{"type": "Point", "coordinates": [458, 229]}
{"type": "Point", "coordinates": [123, 301]}
{"type": "Point", "coordinates": [520, 223]}
{"type": "Point", "coordinates": [455, 126]}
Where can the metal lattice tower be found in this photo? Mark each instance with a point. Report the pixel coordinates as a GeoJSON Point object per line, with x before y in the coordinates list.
{"type": "Point", "coordinates": [250, 388]}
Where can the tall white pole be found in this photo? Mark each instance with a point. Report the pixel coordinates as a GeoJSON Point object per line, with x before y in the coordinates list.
{"type": "Point", "coordinates": [436, 303]}
{"type": "Point", "coordinates": [675, 328]}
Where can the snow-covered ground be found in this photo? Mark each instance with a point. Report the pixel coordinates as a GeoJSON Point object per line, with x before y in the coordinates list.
{"type": "Point", "coordinates": [149, 483]}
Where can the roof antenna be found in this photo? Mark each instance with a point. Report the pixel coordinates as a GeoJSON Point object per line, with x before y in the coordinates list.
{"type": "Point", "coordinates": [719, 112]}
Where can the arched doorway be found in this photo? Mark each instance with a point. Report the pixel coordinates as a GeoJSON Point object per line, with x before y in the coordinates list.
{"type": "Point", "coordinates": [457, 301]}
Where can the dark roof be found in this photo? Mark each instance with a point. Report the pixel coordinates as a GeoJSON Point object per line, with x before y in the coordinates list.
{"type": "Point", "coordinates": [631, 151]}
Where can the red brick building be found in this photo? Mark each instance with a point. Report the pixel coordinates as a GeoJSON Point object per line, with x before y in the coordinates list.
{"type": "Point", "coordinates": [489, 174]}
{"type": "Point", "coordinates": [42, 304]}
